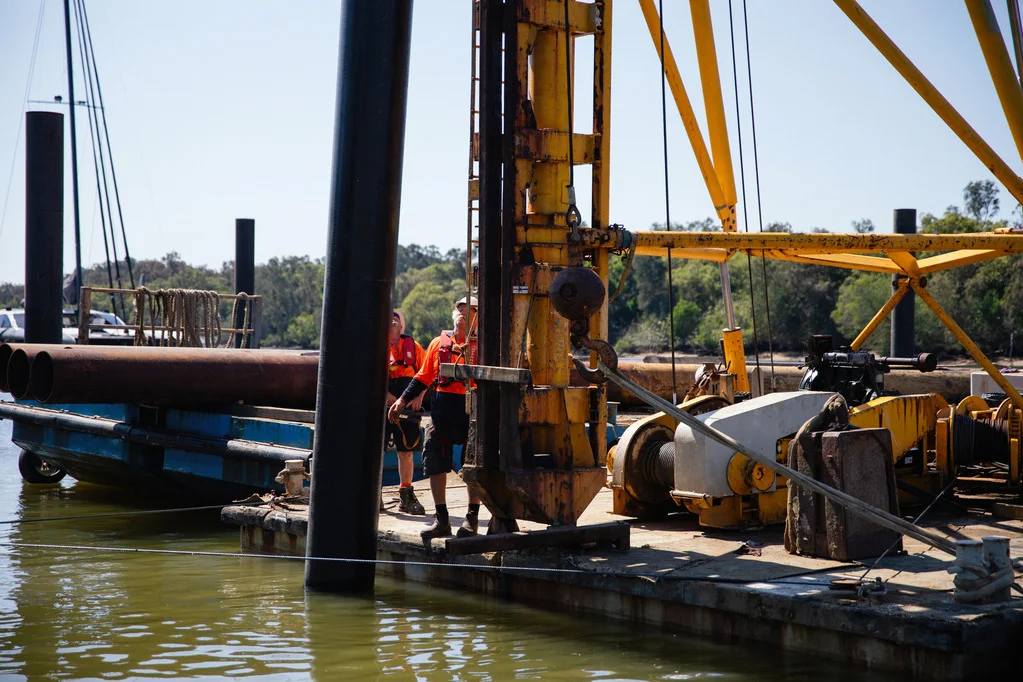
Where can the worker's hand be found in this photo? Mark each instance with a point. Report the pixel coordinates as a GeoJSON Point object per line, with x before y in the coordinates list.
{"type": "Point", "coordinates": [417, 404]}
{"type": "Point", "coordinates": [394, 413]}
{"type": "Point", "coordinates": [390, 399]}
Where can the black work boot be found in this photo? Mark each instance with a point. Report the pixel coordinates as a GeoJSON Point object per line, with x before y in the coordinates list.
{"type": "Point", "coordinates": [470, 525]}
{"type": "Point", "coordinates": [439, 529]}
{"type": "Point", "coordinates": [409, 503]}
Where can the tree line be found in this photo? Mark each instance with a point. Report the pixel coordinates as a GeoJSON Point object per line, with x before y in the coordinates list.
{"type": "Point", "coordinates": [789, 301]}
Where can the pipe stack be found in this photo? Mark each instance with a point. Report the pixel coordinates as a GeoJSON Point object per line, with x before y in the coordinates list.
{"type": "Point", "coordinates": [160, 376]}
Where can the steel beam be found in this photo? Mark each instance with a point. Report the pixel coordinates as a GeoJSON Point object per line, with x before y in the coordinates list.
{"type": "Point", "coordinates": [651, 242]}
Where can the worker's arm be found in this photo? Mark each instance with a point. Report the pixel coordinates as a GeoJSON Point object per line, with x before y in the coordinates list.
{"type": "Point", "coordinates": [423, 379]}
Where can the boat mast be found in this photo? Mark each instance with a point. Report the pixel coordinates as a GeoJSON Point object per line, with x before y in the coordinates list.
{"type": "Point", "coordinates": [74, 149]}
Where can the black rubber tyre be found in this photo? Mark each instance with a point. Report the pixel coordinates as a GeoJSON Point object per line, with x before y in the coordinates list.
{"type": "Point", "coordinates": [35, 470]}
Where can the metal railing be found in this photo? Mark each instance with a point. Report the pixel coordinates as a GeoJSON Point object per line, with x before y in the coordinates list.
{"type": "Point", "coordinates": [240, 334]}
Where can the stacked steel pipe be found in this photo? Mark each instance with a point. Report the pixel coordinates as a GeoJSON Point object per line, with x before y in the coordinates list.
{"type": "Point", "coordinates": [160, 376]}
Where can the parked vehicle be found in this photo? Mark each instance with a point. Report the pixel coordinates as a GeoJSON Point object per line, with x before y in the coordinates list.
{"type": "Point", "coordinates": [12, 327]}
{"type": "Point", "coordinates": [98, 334]}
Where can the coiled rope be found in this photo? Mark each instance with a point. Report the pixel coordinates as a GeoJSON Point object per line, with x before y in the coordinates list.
{"type": "Point", "coordinates": [187, 317]}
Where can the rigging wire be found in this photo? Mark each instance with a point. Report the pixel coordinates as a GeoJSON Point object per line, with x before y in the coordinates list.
{"type": "Point", "coordinates": [434, 564]}
{"type": "Point", "coordinates": [760, 211]}
{"type": "Point", "coordinates": [21, 116]}
{"type": "Point", "coordinates": [106, 135]}
{"type": "Point", "coordinates": [90, 114]}
{"type": "Point", "coordinates": [667, 209]}
{"type": "Point", "coordinates": [107, 515]}
{"type": "Point", "coordinates": [745, 210]}
{"type": "Point", "coordinates": [91, 73]}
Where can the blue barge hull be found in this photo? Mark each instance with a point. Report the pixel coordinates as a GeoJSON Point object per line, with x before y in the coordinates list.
{"type": "Point", "coordinates": [179, 471]}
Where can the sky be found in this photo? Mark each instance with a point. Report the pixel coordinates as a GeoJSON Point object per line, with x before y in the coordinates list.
{"type": "Point", "coordinates": [224, 110]}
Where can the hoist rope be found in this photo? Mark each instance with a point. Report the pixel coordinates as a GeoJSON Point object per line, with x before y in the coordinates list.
{"type": "Point", "coordinates": [760, 210]}
{"type": "Point", "coordinates": [572, 215]}
{"type": "Point", "coordinates": [745, 210]}
{"type": "Point", "coordinates": [667, 208]}
{"type": "Point", "coordinates": [625, 270]}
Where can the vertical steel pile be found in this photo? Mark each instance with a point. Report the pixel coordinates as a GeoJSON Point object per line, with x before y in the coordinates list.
{"type": "Point", "coordinates": [369, 135]}
{"type": "Point", "coordinates": [44, 226]}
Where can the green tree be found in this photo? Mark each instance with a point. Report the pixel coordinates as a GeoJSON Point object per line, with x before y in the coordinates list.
{"type": "Point", "coordinates": [863, 226]}
{"type": "Point", "coordinates": [981, 199]}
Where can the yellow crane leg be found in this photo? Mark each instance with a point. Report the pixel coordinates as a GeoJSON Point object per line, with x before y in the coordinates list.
{"type": "Point", "coordinates": [703, 31]}
{"type": "Point", "coordinates": [952, 118]}
{"type": "Point", "coordinates": [692, 126]}
{"type": "Point", "coordinates": [985, 24]}
{"type": "Point", "coordinates": [888, 307]}
{"type": "Point", "coordinates": [968, 344]}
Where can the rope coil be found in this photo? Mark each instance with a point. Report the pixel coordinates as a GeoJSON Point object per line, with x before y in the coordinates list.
{"type": "Point", "coordinates": [188, 317]}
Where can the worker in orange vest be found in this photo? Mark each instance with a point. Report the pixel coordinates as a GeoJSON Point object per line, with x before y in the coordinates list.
{"type": "Point", "coordinates": [406, 358]}
{"type": "Point", "coordinates": [450, 423]}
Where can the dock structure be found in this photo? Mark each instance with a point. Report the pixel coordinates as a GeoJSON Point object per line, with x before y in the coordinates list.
{"type": "Point", "coordinates": [728, 585]}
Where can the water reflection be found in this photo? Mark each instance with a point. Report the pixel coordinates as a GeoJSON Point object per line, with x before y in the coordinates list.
{"type": "Point", "coordinates": [71, 614]}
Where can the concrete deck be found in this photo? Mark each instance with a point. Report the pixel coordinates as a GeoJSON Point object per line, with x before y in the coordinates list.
{"type": "Point", "coordinates": [729, 585]}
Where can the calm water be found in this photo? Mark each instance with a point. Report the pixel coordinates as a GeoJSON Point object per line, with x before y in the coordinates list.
{"type": "Point", "coordinates": [71, 614]}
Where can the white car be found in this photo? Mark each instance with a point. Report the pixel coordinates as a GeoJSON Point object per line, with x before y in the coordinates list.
{"type": "Point", "coordinates": [12, 327]}
{"type": "Point", "coordinates": [98, 335]}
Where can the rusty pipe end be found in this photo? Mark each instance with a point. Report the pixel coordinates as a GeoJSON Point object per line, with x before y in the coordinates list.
{"type": "Point", "coordinates": [41, 377]}
{"type": "Point", "coordinates": [18, 374]}
{"type": "Point", "coordinates": [5, 357]}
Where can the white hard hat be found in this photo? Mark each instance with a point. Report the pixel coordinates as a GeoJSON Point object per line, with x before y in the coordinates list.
{"type": "Point", "coordinates": [461, 301]}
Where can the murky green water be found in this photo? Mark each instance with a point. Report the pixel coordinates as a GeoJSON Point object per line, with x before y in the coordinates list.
{"type": "Point", "coordinates": [72, 614]}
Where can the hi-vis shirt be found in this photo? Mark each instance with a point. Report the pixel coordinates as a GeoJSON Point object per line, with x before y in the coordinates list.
{"type": "Point", "coordinates": [430, 371]}
{"type": "Point", "coordinates": [406, 357]}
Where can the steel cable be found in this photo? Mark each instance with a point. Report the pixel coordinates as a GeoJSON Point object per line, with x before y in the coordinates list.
{"type": "Point", "coordinates": [667, 208]}
{"type": "Point", "coordinates": [745, 211]}
{"type": "Point", "coordinates": [760, 210]}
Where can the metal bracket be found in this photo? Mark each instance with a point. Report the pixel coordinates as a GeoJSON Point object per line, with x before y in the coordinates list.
{"type": "Point", "coordinates": [504, 375]}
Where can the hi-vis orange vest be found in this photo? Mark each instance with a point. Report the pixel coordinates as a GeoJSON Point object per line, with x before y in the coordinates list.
{"type": "Point", "coordinates": [445, 352]}
{"type": "Point", "coordinates": [403, 362]}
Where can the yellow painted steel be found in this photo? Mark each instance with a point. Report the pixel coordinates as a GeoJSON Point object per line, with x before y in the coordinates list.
{"type": "Point", "coordinates": [849, 261]}
{"type": "Point", "coordinates": [909, 418]}
{"type": "Point", "coordinates": [968, 344]}
{"type": "Point", "coordinates": [985, 24]}
{"type": "Point", "coordinates": [826, 243]}
{"type": "Point", "coordinates": [955, 259]}
{"type": "Point", "coordinates": [930, 94]}
{"type": "Point", "coordinates": [906, 261]}
{"type": "Point", "coordinates": [685, 110]}
{"type": "Point", "coordinates": [547, 91]}
{"type": "Point", "coordinates": [717, 127]}
{"type": "Point", "coordinates": [735, 358]}
{"type": "Point", "coordinates": [875, 322]}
